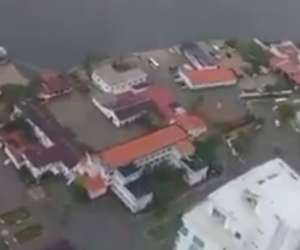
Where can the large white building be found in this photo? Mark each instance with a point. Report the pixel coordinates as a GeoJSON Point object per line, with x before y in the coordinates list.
{"type": "Point", "coordinates": [259, 210]}
{"type": "Point", "coordinates": [118, 77]}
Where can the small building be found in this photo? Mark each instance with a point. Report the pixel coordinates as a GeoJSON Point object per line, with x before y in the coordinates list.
{"type": "Point", "coordinates": [118, 76]}
{"type": "Point", "coordinates": [192, 124]}
{"type": "Point", "coordinates": [123, 108]}
{"type": "Point", "coordinates": [199, 55]}
{"type": "Point", "coordinates": [257, 210]}
{"type": "Point", "coordinates": [208, 78]}
{"type": "Point", "coordinates": [54, 84]}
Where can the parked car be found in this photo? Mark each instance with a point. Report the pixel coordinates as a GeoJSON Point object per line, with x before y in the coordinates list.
{"type": "Point", "coordinates": [154, 64]}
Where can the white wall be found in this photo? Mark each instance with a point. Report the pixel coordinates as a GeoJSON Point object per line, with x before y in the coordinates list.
{"type": "Point", "coordinates": [194, 177]}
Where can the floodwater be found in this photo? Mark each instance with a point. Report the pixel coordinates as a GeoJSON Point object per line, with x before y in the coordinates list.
{"type": "Point", "coordinates": [59, 33]}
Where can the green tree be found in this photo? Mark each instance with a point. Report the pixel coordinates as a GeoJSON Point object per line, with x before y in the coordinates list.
{"type": "Point", "coordinates": [254, 54]}
{"type": "Point", "coordinates": [286, 112]}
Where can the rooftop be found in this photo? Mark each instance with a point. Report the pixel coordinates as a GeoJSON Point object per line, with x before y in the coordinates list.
{"type": "Point", "coordinates": [201, 53]}
{"type": "Point", "coordinates": [194, 163]}
{"type": "Point", "coordinates": [188, 122]}
{"type": "Point", "coordinates": [112, 76]}
{"type": "Point", "coordinates": [54, 82]}
{"type": "Point", "coordinates": [127, 152]}
{"type": "Point", "coordinates": [163, 98]}
{"type": "Point", "coordinates": [273, 187]}
{"type": "Point", "coordinates": [217, 75]}
{"type": "Point", "coordinates": [64, 148]}
{"type": "Point", "coordinates": [124, 105]}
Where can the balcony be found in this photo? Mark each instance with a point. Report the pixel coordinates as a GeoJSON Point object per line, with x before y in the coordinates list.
{"type": "Point", "coordinates": [196, 170]}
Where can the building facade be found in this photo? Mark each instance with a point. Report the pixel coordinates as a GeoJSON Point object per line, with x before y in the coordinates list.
{"type": "Point", "coordinates": [258, 210]}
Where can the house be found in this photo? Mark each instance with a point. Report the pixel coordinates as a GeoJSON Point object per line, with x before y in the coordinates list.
{"type": "Point", "coordinates": [123, 108]}
{"type": "Point", "coordinates": [208, 78]}
{"type": "Point", "coordinates": [53, 84]}
{"type": "Point", "coordinates": [286, 60]}
{"type": "Point", "coordinates": [49, 151]}
{"type": "Point", "coordinates": [199, 55]}
{"type": "Point", "coordinates": [116, 77]}
{"type": "Point", "coordinates": [124, 164]}
{"type": "Point", "coordinates": [192, 124]}
{"type": "Point", "coordinates": [258, 210]}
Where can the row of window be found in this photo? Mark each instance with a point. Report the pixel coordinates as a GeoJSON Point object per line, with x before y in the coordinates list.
{"type": "Point", "coordinates": [197, 243]}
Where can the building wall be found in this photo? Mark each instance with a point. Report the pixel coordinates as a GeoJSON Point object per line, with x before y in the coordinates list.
{"type": "Point", "coordinates": [134, 204]}
{"type": "Point", "coordinates": [118, 88]}
{"type": "Point", "coordinates": [119, 179]}
{"type": "Point", "coordinates": [185, 241]}
{"type": "Point", "coordinates": [195, 177]}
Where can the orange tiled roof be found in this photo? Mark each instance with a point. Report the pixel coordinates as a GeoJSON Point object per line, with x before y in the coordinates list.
{"type": "Point", "coordinates": [185, 146]}
{"type": "Point", "coordinates": [188, 121]}
{"type": "Point", "coordinates": [95, 183]}
{"type": "Point", "coordinates": [210, 75]}
{"type": "Point", "coordinates": [129, 151]}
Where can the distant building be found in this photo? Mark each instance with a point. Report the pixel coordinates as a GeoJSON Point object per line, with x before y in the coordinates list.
{"type": "Point", "coordinates": [122, 109]}
{"type": "Point", "coordinates": [199, 55]}
{"type": "Point", "coordinates": [286, 60]}
{"type": "Point", "coordinates": [118, 76]}
{"type": "Point", "coordinates": [258, 210]}
{"type": "Point", "coordinates": [53, 84]}
{"type": "Point", "coordinates": [208, 78]}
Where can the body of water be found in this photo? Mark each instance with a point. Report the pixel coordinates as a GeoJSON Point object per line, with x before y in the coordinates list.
{"type": "Point", "coordinates": [58, 33]}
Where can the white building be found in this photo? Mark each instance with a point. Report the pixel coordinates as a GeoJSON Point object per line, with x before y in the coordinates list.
{"type": "Point", "coordinates": [117, 77]}
{"type": "Point", "coordinates": [123, 108]}
{"type": "Point", "coordinates": [258, 210]}
{"type": "Point", "coordinates": [124, 164]}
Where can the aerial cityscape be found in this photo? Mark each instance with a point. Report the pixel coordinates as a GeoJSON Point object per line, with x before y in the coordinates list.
{"type": "Point", "coordinates": [190, 147]}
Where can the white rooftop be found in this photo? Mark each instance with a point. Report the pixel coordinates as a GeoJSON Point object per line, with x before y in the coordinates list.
{"type": "Point", "coordinates": [111, 76]}
{"type": "Point", "coordinates": [275, 187]}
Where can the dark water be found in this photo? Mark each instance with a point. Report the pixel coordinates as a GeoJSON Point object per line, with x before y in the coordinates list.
{"type": "Point", "coordinates": [58, 33]}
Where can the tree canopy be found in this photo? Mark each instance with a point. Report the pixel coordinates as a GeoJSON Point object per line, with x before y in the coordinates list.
{"type": "Point", "coordinates": [286, 111]}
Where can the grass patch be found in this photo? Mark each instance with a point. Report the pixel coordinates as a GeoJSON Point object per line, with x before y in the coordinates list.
{"type": "Point", "coordinates": [28, 233]}
{"type": "Point", "coordinates": [4, 245]}
{"type": "Point", "coordinates": [15, 216]}
{"type": "Point", "coordinates": [165, 229]}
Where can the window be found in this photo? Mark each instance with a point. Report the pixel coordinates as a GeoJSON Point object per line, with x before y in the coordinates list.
{"type": "Point", "coordinates": [198, 242]}
{"type": "Point", "coordinates": [183, 230]}
{"type": "Point", "coordinates": [237, 235]}
{"type": "Point", "coordinates": [219, 216]}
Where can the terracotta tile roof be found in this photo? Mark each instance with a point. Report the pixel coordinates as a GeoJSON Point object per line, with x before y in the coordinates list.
{"type": "Point", "coordinates": [185, 146]}
{"type": "Point", "coordinates": [94, 184]}
{"type": "Point", "coordinates": [54, 83]}
{"type": "Point", "coordinates": [210, 75]}
{"type": "Point", "coordinates": [162, 97]}
{"type": "Point", "coordinates": [188, 121]}
{"type": "Point", "coordinates": [125, 153]}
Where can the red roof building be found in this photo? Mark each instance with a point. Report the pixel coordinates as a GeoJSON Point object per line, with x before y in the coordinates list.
{"type": "Point", "coordinates": [286, 59]}
{"type": "Point", "coordinates": [208, 78]}
{"type": "Point", "coordinates": [53, 84]}
{"type": "Point", "coordinates": [146, 145]}
{"type": "Point", "coordinates": [192, 124]}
